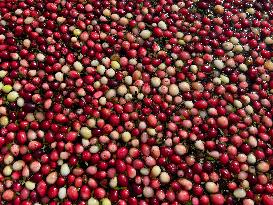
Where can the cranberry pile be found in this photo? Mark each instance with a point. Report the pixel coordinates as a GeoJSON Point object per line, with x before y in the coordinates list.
{"type": "Point", "coordinates": [136, 102]}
